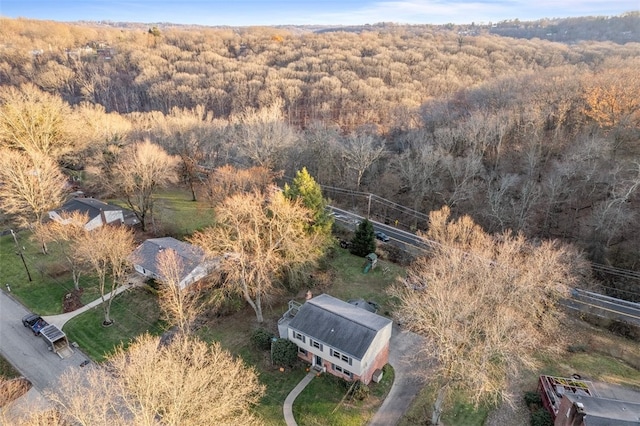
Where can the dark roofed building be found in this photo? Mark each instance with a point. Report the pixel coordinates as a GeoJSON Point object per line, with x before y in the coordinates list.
{"type": "Point", "coordinates": [338, 337]}
{"type": "Point", "coordinates": [194, 264]}
{"type": "Point", "coordinates": [586, 410]}
{"type": "Point", "coordinates": [98, 212]}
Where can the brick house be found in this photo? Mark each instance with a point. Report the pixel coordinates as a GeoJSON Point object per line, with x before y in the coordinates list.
{"type": "Point", "coordinates": [586, 410]}
{"type": "Point", "coordinates": [337, 337]}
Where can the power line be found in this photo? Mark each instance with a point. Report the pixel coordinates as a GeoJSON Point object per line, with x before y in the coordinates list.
{"type": "Point", "coordinates": [611, 270]}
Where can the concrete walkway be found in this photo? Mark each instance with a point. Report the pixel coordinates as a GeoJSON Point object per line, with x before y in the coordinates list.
{"type": "Point", "coordinates": [288, 403]}
{"type": "Point", "coordinates": [60, 320]}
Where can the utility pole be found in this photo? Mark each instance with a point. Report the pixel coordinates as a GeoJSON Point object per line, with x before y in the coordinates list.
{"type": "Point", "coordinates": [15, 239]}
{"type": "Point", "coordinates": [369, 207]}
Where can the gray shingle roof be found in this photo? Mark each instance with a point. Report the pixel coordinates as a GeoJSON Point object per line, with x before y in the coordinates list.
{"type": "Point", "coordinates": [338, 324]}
{"type": "Point", "coordinates": [90, 206]}
{"type": "Point", "coordinates": [607, 412]}
{"type": "Point", "coordinates": [146, 254]}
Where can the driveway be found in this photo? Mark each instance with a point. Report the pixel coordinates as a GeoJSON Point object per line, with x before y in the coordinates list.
{"type": "Point", "coordinates": [28, 353]}
{"type": "Point", "coordinates": [410, 365]}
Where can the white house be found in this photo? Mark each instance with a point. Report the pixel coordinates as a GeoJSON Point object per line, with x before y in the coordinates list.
{"type": "Point", "coordinates": [98, 212]}
{"type": "Point", "coordinates": [337, 337]}
{"type": "Point", "coordinates": [194, 264]}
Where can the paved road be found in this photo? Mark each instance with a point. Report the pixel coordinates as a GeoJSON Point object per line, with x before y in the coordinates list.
{"type": "Point", "coordinates": [411, 367]}
{"type": "Point", "coordinates": [28, 353]}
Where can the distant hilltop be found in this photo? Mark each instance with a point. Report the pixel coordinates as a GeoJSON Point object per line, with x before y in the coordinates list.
{"type": "Point", "coordinates": [618, 29]}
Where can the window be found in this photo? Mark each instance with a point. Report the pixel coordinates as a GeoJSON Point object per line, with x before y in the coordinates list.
{"type": "Point", "coordinates": [342, 370]}
{"type": "Point", "coordinates": [346, 359]}
{"type": "Point", "coordinates": [299, 336]}
{"type": "Point", "coordinates": [302, 351]}
{"type": "Point", "coordinates": [315, 344]}
{"type": "Point", "coordinates": [342, 357]}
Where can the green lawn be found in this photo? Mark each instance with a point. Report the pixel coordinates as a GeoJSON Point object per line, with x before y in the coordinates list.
{"type": "Point", "coordinates": [6, 370]}
{"type": "Point", "coordinates": [591, 365]}
{"type": "Point", "coordinates": [175, 214]}
{"type": "Point", "coordinates": [179, 216]}
{"type": "Point", "coordinates": [351, 283]}
{"type": "Point", "coordinates": [51, 279]}
{"type": "Point", "coordinates": [324, 401]}
{"type": "Point", "coordinates": [456, 411]}
{"type": "Point", "coordinates": [134, 312]}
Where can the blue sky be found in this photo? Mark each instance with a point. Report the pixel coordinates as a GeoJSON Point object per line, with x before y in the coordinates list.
{"type": "Point", "coordinates": [300, 12]}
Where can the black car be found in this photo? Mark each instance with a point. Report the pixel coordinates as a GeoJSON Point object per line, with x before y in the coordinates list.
{"type": "Point", "coordinates": [30, 319]}
{"type": "Point", "coordinates": [34, 322]}
{"type": "Point", "coordinates": [382, 236]}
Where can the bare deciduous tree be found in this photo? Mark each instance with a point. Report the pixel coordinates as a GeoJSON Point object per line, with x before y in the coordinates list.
{"type": "Point", "coordinates": [227, 180]}
{"type": "Point", "coordinates": [30, 186]}
{"type": "Point", "coordinates": [140, 170]}
{"type": "Point", "coordinates": [66, 234]}
{"type": "Point", "coordinates": [259, 239]}
{"type": "Point", "coordinates": [487, 304]}
{"type": "Point", "coordinates": [360, 152]}
{"type": "Point", "coordinates": [106, 250]}
{"type": "Point", "coordinates": [180, 306]}
{"type": "Point", "coordinates": [35, 122]}
{"type": "Point", "coordinates": [263, 136]}
{"type": "Point", "coordinates": [184, 382]}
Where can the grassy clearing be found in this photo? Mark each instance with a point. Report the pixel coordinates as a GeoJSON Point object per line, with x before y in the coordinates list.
{"type": "Point", "coordinates": [456, 410]}
{"type": "Point", "coordinates": [6, 370]}
{"type": "Point", "coordinates": [351, 283]}
{"type": "Point", "coordinates": [51, 279]}
{"type": "Point", "coordinates": [179, 216]}
{"type": "Point", "coordinates": [591, 365]}
{"type": "Point", "coordinates": [233, 333]}
{"type": "Point", "coordinates": [323, 401]}
{"type": "Point", "coordinates": [134, 313]}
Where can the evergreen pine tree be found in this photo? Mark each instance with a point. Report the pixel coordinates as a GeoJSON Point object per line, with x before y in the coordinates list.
{"type": "Point", "coordinates": [307, 190]}
{"type": "Point", "coordinates": [364, 241]}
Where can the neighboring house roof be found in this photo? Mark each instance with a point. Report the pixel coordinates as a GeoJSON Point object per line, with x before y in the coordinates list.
{"type": "Point", "coordinates": [606, 412]}
{"type": "Point", "coordinates": [146, 254]}
{"type": "Point", "coordinates": [89, 206]}
{"type": "Point", "coordinates": [338, 324]}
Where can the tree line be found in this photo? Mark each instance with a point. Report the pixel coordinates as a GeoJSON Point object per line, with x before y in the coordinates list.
{"type": "Point", "coordinates": [529, 135]}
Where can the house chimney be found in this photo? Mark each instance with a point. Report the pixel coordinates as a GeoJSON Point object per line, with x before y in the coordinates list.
{"type": "Point", "coordinates": [579, 414]}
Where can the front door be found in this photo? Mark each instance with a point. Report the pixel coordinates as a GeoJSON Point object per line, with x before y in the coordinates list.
{"type": "Point", "coordinates": [318, 361]}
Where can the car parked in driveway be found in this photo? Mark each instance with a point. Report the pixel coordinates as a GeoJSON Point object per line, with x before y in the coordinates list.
{"type": "Point", "coordinates": [382, 236]}
{"type": "Point", "coordinates": [34, 322]}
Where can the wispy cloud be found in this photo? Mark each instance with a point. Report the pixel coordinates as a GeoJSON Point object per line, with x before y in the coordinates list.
{"type": "Point", "coordinates": [464, 11]}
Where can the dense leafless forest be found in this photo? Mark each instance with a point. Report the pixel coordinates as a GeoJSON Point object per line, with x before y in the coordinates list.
{"type": "Point", "coordinates": [533, 127]}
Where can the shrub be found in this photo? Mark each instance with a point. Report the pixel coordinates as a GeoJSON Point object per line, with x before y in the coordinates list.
{"type": "Point", "coordinates": [284, 352]}
{"type": "Point", "coordinates": [541, 417]}
{"type": "Point", "coordinates": [361, 391]}
{"type": "Point", "coordinates": [533, 398]}
{"type": "Point", "coordinates": [576, 348]}
{"type": "Point", "coordinates": [261, 339]}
